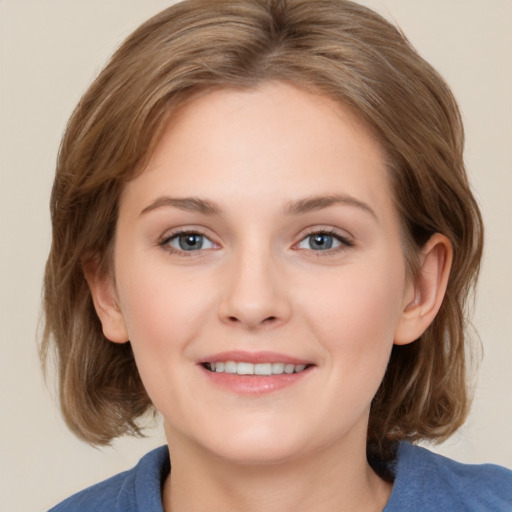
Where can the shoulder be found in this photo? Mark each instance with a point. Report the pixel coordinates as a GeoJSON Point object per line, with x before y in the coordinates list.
{"type": "Point", "coordinates": [430, 482]}
{"type": "Point", "coordinates": [138, 489]}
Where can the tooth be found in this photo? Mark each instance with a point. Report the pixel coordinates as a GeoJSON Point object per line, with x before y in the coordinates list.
{"type": "Point", "coordinates": [245, 369]}
{"type": "Point", "coordinates": [230, 367]}
{"type": "Point", "coordinates": [289, 368]}
{"type": "Point", "coordinates": [263, 369]}
{"type": "Point", "coordinates": [277, 368]}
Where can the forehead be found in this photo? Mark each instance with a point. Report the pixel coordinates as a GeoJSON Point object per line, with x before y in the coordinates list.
{"type": "Point", "coordinates": [273, 140]}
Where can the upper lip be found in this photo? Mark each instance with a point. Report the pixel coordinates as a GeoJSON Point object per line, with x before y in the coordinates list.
{"type": "Point", "coordinates": [241, 356]}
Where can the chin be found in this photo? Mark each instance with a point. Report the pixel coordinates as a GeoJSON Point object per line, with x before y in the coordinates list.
{"type": "Point", "coordinates": [257, 445]}
{"type": "Point", "coordinates": [258, 454]}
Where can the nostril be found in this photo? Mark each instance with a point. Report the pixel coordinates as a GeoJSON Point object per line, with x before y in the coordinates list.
{"type": "Point", "coordinates": [268, 320]}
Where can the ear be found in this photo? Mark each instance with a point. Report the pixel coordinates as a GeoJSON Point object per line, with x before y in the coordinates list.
{"type": "Point", "coordinates": [425, 296]}
{"type": "Point", "coordinates": [104, 296]}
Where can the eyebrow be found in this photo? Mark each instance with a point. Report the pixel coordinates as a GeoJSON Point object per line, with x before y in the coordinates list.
{"type": "Point", "coordinates": [189, 204]}
{"type": "Point", "coordinates": [297, 207]}
{"type": "Point", "coordinates": [315, 203]}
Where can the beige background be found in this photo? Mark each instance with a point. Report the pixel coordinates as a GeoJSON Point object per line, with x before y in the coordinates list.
{"type": "Point", "coordinates": [49, 52]}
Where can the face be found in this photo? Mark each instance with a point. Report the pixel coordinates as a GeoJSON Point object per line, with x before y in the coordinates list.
{"type": "Point", "coordinates": [261, 239]}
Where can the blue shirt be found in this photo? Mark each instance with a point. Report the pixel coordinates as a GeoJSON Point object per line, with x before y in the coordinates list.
{"type": "Point", "coordinates": [424, 482]}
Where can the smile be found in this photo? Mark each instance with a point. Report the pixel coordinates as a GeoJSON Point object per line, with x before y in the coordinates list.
{"type": "Point", "coordinates": [264, 369]}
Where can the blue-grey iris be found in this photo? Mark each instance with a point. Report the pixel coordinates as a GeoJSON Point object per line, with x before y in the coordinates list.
{"type": "Point", "coordinates": [321, 241]}
{"type": "Point", "coordinates": [190, 242]}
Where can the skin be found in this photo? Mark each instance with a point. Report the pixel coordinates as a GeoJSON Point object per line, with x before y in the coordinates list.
{"type": "Point", "coordinates": [260, 283]}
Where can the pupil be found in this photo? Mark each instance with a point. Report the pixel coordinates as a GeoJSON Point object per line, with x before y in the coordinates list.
{"type": "Point", "coordinates": [190, 242]}
{"type": "Point", "coordinates": [321, 242]}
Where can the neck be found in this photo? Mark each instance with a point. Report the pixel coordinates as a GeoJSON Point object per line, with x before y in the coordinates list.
{"type": "Point", "coordinates": [343, 482]}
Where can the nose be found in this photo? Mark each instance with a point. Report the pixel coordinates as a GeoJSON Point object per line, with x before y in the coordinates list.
{"type": "Point", "coordinates": [256, 295]}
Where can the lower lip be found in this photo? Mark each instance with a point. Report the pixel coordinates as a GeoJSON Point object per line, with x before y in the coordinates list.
{"type": "Point", "coordinates": [254, 384]}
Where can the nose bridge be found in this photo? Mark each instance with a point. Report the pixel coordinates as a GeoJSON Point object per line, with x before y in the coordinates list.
{"type": "Point", "coordinates": [254, 295]}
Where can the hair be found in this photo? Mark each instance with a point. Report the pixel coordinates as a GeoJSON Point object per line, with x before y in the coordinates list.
{"type": "Point", "coordinates": [336, 48]}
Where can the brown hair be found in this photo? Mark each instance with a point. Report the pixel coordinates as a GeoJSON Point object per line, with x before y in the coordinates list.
{"type": "Point", "coordinates": [334, 47]}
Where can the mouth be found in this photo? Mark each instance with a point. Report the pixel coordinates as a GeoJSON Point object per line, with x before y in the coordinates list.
{"type": "Point", "coordinates": [256, 369]}
{"type": "Point", "coordinates": [255, 373]}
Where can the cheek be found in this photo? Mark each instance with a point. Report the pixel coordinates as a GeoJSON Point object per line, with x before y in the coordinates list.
{"type": "Point", "coordinates": [164, 312]}
{"type": "Point", "coordinates": [163, 309]}
{"type": "Point", "coordinates": [357, 318]}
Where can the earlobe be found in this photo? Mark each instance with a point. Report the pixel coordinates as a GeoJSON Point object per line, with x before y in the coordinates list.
{"type": "Point", "coordinates": [104, 296]}
{"type": "Point", "coordinates": [428, 290]}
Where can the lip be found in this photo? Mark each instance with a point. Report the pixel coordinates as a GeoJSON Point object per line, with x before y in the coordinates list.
{"type": "Point", "coordinates": [242, 356]}
{"type": "Point", "coordinates": [252, 384]}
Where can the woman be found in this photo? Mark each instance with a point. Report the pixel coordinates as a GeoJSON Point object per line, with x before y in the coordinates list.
{"type": "Point", "coordinates": [263, 229]}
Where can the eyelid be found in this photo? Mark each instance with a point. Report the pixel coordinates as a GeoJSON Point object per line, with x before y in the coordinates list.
{"type": "Point", "coordinates": [346, 240]}
{"type": "Point", "coordinates": [164, 240]}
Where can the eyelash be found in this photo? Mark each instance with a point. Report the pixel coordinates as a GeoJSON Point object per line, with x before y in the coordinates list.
{"type": "Point", "coordinates": [344, 242]}
{"type": "Point", "coordinates": [164, 243]}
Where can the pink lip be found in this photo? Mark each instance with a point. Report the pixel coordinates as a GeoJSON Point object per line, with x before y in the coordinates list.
{"type": "Point", "coordinates": [241, 356]}
{"type": "Point", "coordinates": [252, 384]}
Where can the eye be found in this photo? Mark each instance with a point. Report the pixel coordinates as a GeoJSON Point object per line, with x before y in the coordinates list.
{"type": "Point", "coordinates": [323, 241]}
{"type": "Point", "coordinates": [187, 241]}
